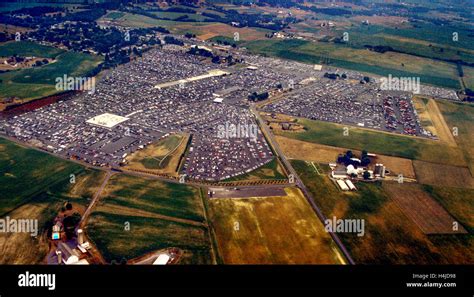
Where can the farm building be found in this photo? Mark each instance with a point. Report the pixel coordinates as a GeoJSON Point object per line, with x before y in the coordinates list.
{"type": "Point", "coordinates": [379, 170]}
{"type": "Point", "coordinates": [350, 185]}
{"type": "Point", "coordinates": [338, 174]}
{"type": "Point", "coordinates": [342, 185]}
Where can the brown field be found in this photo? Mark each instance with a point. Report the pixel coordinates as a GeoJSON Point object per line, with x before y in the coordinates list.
{"type": "Point", "coordinates": [302, 150]}
{"type": "Point", "coordinates": [391, 237]}
{"type": "Point", "coordinates": [425, 212]}
{"type": "Point", "coordinates": [443, 175]}
{"type": "Point", "coordinates": [431, 115]}
{"type": "Point", "coordinates": [207, 31]}
{"type": "Point", "coordinates": [276, 230]}
{"type": "Point", "coordinates": [160, 150]}
{"type": "Point", "coordinates": [21, 248]}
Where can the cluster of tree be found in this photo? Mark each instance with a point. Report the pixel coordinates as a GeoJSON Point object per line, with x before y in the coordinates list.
{"type": "Point", "coordinates": [335, 75]}
{"type": "Point", "coordinates": [190, 35]}
{"type": "Point", "coordinates": [225, 42]}
{"type": "Point", "coordinates": [39, 10]}
{"type": "Point", "coordinates": [258, 97]}
{"type": "Point", "coordinates": [347, 159]}
{"type": "Point", "coordinates": [172, 40]}
{"type": "Point", "coordinates": [379, 48]}
{"type": "Point", "coordinates": [45, 21]}
{"type": "Point", "coordinates": [200, 52]}
{"type": "Point", "coordinates": [267, 21]}
{"type": "Point", "coordinates": [40, 63]}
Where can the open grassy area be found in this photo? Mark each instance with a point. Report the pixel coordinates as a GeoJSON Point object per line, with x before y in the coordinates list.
{"type": "Point", "coordinates": [303, 150]}
{"type": "Point", "coordinates": [271, 170]}
{"type": "Point", "coordinates": [378, 142]}
{"type": "Point", "coordinates": [390, 236]}
{"type": "Point", "coordinates": [26, 172]}
{"type": "Point", "coordinates": [457, 201]}
{"type": "Point", "coordinates": [37, 82]}
{"type": "Point", "coordinates": [461, 116]}
{"type": "Point", "coordinates": [271, 230]}
{"type": "Point", "coordinates": [161, 215]}
{"type": "Point", "coordinates": [341, 55]}
{"type": "Point", "coordinates": [34, 185]}
{"type": "Point", "coordinates": [468, 77]}
{"type": "Point", "coordinates": [409, 41]}
{"type": "Point", "coordinates": [168, 199]}
{"type": "Point", "coordinates": [138, 21]}
{"type": "Point", "coordinates": [25, 48]}
{"type": "Point", "coordinates": [162, 157]}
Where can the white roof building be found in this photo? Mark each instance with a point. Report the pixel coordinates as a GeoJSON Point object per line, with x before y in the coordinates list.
{"type": "Point", "coordinates": [107, 120]}
{"type": "Point", "coordinates": [162, 259]}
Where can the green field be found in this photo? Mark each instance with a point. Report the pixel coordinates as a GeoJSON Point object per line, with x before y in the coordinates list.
{"type": "Point", "coordinates": [35, 185]}
{"type": "Point", "coordinates": [175, 15]}
{"type": "Point", "coordinates": [468, 77]}
{"type": "Point", "coordinates": [38, 82]}
{"type": "Point", "coordinates": [461, 116]}
{"type": "Point", "coordinates": [378, 142]}
{"type": "Point", "coordinates": [140, 21]}
{"type": "Point", "coordinates": [390, 237]}
{"type": "Point", "coordinates": [114, 15]}
{"type": "Point", "coordinates": [458, 201]}
{"type": "Point", "coordinates": [414, 41]}
{"type": "Point", "coordinates": [25, 48]}
{"type": "Point", "coordinates": [161, 215]}
{"type": "Point", "coordinates": [341, 55]}
{"type": "Point", "coordinates": [26, 172]}
{"type": "Point", "coordinates": [11, 6]}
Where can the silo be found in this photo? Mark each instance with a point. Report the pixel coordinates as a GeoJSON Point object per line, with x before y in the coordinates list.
{"type": "Point", "coordinates": [60, 257]}
{"type": "Point", "coordinates": [80, 236]}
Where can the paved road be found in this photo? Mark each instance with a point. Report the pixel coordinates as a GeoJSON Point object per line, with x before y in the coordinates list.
{"type": "Point", "coordinates": [298, 181]}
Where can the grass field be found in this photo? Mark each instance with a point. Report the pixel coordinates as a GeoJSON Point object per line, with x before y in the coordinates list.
{"type": "Point", "coordinates": [457, 201]}
{"type": "Point", "coordinates": [378, 142]}
{"type": "Point", "coordinates": [432, 119]}
{"type": "Point", "coordinates": [461, 116]}
{"type": "Point", "coordinates": [302, 150]}
{"type": "Point", "coordinates": [137, 21]}
{"type": "Point", "coordinates": [468, 77]}
{"type": "Point", "coordinates": [271, 170]}
{"type": "Point", "coordinates": [397, 64]}
{"type": "Point", "coordinates": [271, 230]}
{"type": "Point", "coordinates": [443, 175]}
{"type": "Point", "coordinates": [390, 236]}
{"type": "Point", "coordinates": [161, 215]}
{"type": "Point", "coordinates": [32, 83]}
{"type": "Point", "coordinates": [11, 6]}
{"type": "Point", "coordinates": [162, 157]}
{"type": "Point", "coordinates": [34, 185]}
{"type": "Point", "coordinates": [423, 210]}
